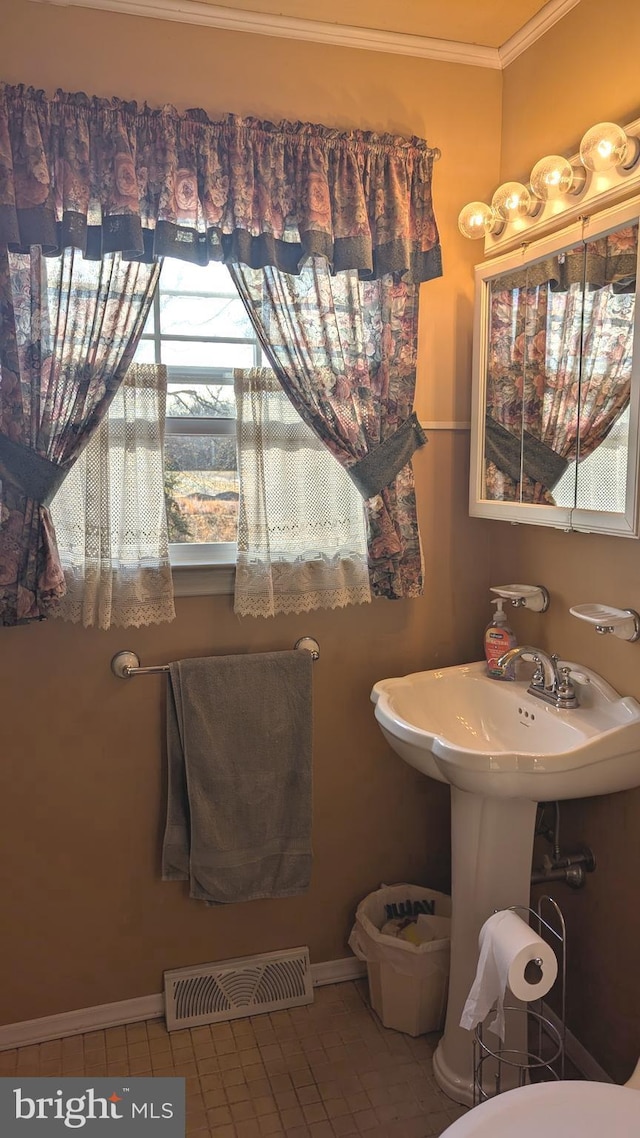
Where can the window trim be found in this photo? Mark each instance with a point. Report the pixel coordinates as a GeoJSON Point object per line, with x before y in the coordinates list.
{"type": "Point", "coordinates": [203, 580]}
{"type": "Point", "coordinates": [198, 425]}
{"type": "Point", "coordinates": [193, 555]}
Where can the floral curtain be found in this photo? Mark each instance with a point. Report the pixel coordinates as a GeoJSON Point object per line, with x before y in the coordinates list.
{"type": "Point", "coordinates": [559, 367]}
{"type": "Point", "coordinates": [68, 332]}
{"type": "Point", "coordinates": [301, 526]}
{"type": "Point", "coordinates": [351, 212]}
{"type": "Point", "coordinates": [110, 517]}
{"type": "Point", "coordinates": [344, 351]}
{"type": "Point", "coordinates": [105, 175]}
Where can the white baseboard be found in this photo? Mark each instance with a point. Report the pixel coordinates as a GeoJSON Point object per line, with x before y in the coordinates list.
{"type": "Point", "coordinates": [102, 1016]}
{"type": "Point", "coordinates": [84, 1019]}
{"type": "Point", "coordinates": [98, 1018]}
{"type": "Point", "coordinates": [576, 1053]}
{"type": "Point", "coordinates": [337, 971]}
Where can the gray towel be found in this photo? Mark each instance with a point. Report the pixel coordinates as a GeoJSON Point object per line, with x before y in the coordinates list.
{"type": "Point", "coordinates": [239, 795]}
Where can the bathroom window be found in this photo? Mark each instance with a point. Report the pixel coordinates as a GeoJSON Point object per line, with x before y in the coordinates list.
{"type": "Point", "coordinates": [198, 327]}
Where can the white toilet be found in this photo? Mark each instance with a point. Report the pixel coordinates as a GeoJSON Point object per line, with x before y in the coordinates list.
{"type": "Point", "coordinates": [556, 1110]}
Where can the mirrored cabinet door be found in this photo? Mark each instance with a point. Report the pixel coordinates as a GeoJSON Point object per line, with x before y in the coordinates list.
{"type": "Point", "coordinates": [555, 412]}
{"type": "Point", "coordinates": [606, 359]}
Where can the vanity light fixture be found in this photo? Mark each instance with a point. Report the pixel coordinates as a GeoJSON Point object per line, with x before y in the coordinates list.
{"type": "Point", "coordinates": [477, 219]}
{"type": "Point", "coordinates": [554, 176]}
{"type": "Point", "coordinates": [606, 146]}
{"type": "Point", "coordinates": [512, 200]}
{"type": "Point", "coordinates": [609, 157]}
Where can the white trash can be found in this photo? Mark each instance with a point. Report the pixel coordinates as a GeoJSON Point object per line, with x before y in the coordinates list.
{"type": "Point", "coordinates": [407, 982]}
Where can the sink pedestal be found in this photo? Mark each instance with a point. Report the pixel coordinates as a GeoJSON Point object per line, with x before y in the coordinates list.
{"type": "Point", "coordinates": [492, 850]}
{"type": "Point", "coordinates": [502, 750]}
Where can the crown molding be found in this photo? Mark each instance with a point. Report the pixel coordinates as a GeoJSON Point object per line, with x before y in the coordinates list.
{"type": "Point", "coordinates": [534, 29]}
{"type": "Point", "coordinates": [290, 27]}
{"type": "Point", "coordinates": [341, 35]}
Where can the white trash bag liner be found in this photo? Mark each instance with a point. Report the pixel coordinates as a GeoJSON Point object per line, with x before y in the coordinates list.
{"type": "Point", "coordinates": [407, 982]}
{"type": "Point", "coordinates": [397, 901]}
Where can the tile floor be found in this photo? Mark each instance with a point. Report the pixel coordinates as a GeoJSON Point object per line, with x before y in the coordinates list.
{"type": "Point", "coordinates": [324, 1070]}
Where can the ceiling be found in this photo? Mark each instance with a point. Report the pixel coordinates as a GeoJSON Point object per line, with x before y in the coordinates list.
{"type": "Point", "coordinates": [486, 22]}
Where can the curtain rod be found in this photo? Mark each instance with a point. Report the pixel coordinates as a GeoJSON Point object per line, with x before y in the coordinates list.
{"type": "Point", "coordinates": [126, 664]}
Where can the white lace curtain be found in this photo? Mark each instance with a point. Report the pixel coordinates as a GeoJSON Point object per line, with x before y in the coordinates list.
{"type": "Point", "coordinates": [109, 514]}
{"type": "Point", "coordinates": [301, 526]}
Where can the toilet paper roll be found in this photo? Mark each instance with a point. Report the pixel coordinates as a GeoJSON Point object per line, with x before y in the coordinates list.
{"type": "Point", "coordinates": [526, 961]}
{"type": "Point", "coordinates": [511, 956]}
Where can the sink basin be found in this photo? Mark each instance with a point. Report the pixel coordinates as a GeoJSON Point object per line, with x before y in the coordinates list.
{"type": "Point", "coordinates": [491, 737]}
{"type": "Point", "coordinates": [502, 751]}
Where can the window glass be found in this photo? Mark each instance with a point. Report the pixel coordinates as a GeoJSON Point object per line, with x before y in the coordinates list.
{"type": "Point", "coordinates": [204, 316]}
{"type": "Point", "coordinates": [145, 353]}
{"type": "Point", "coordinates": [181, 276]}
{"type": "Point", "coordinates": [199, 329]}
{"type": "Point", "coordinates": [200, 400]}
{"type": "Point", "coordinates": [203, 354]}
{"type": "Point", "coordinates": [201, 488]}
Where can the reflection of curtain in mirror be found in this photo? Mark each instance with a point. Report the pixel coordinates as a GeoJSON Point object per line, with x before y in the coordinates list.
{"type": "Point", "coordinates": [559, 363]}
{"type": "Point", "coordinates": [516, 375]}
{"type": "Point", "coordinates": [588, 376]}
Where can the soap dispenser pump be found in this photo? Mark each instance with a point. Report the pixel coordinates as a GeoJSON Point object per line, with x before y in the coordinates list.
{"type": "Point", "coordinates": [498, 639]}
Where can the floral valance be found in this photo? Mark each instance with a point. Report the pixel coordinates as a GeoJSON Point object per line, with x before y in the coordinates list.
{"type": "Point", "coordinates": [104, 176]}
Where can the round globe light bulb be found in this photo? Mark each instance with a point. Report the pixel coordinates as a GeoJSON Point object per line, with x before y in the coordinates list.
{"type": "Point", "coordinates": [476, 220]}
{"type": "Point", "coordinates": [605, 146]}
{"type": "Point", "coordinates": [512, 200]}
{"type": "Point", "coordinates": [554, 176]}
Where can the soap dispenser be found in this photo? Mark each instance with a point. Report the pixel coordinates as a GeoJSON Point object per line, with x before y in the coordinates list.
{"type": "Point", "coordinates": [498, 639]}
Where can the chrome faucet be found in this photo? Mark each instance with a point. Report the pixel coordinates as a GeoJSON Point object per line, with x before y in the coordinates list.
{"type": "Point", "coordinates": [550, 683]}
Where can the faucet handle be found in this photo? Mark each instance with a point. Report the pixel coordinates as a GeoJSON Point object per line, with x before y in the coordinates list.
{"type": "Point", "coordinates": [566, 691]}
{"type": "Point", "coordinates": [579, 677]}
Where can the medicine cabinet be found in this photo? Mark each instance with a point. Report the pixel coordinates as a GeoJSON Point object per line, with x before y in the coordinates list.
{"type": "Point", "coordinates": [556, 388]}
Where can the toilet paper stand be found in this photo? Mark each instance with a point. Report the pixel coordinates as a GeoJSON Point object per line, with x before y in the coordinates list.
{"type": "Point", "coordinates": [539, 1031]}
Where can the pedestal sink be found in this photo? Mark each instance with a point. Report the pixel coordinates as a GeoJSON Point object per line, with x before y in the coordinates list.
{"type": "Point", "coordinates": [502, 751]}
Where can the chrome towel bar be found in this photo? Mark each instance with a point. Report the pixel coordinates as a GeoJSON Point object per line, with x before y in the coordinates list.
{"type": "Point", "coordinates": [126, 664]}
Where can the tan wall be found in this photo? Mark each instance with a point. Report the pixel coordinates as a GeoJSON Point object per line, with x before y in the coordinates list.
{"type": "Point", "coordinates": [582, 72]}
{"type": "Point", "coordinates": [85, 917]}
